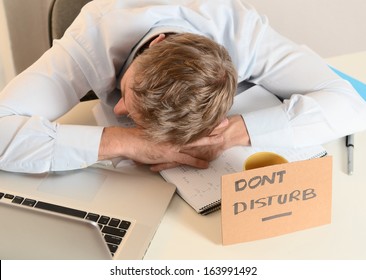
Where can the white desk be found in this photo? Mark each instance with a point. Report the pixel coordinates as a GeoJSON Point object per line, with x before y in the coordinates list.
{"type": "Point", "coordinates": [184, 234]}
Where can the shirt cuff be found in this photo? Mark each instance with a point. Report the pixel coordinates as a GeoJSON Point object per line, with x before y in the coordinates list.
{"type": "Point", "coordinates": [76, 147]}
{"type": "Point", "coordinates": [269, 127]}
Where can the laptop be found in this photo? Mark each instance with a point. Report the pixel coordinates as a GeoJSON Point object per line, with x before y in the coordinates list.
{"type": "Point", "coordinates": [93, 213]}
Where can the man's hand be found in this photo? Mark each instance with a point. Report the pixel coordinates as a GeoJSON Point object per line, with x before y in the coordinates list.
{"type": "Point", "coordinates": [130, 143]}
{"type": "Point", "coordinates": [231, 132]}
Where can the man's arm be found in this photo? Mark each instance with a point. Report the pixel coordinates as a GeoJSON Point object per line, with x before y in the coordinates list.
{"type": "Point", "coordinates": [318, 106]}
{"type": "Point", "coordinates": [130, 143]}
{"type": "Point", "coordinates": [30, 139]}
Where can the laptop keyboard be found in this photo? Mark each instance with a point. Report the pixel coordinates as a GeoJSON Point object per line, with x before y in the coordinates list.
{"type": "Point", "coordinates": [113, 229]}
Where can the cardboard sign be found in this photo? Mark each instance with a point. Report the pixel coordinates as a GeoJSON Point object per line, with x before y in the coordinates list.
{"type": "Point", "coordinates": [275, 200]}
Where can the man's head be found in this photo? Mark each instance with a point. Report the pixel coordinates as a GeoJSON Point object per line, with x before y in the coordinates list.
{"type": "Point", "coordinates": [180, 88]}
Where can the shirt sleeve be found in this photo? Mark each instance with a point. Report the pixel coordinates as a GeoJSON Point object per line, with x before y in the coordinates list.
{"type": "Point", "coordinates": [88, 57]}
{"type": "Point", "coordinates": [318, 106]}
{"type": "Point", "coordinates": [37, 145]}
{"type": "Point", "coordinates": [31, 141]}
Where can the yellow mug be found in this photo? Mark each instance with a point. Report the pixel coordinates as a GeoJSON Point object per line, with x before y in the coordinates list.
{"type": "Point", "coordinates": [262, 159]}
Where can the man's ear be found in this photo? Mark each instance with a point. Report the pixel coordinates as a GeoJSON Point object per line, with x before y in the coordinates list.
{"type": "Point", "coordinates": [158, 39]}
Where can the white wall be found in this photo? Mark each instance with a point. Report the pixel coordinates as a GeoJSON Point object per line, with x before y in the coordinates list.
{"type": "Point", "coordinates": [330, 27]}
{"type": "Point", "coordinates": [6, 61]}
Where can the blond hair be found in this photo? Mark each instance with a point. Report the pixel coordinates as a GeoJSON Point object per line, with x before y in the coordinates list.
{"type": "Point", "coordinates": [183, 86]}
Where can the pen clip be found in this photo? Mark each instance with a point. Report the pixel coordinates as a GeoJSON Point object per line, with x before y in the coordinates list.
{"type": "Point", "coordinates": [349, 141]}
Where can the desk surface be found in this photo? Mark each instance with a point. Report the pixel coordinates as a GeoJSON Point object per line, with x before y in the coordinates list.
{"type": "Point", "coordinates": [184, 234]}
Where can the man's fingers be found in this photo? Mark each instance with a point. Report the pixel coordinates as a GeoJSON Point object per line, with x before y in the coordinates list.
{"type": "Point", "coordinates": [206, 141]}
{"type": "Point", "coordinates": [192, 161]}
{"type": "Point", "coordinates": [215, 138]}
{"type": "Point", "coordinates": [163, 166]}
{"type": "Point", "coordinates": [184, 159]}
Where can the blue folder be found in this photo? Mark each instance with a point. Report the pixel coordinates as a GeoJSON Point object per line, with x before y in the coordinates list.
{"type": "Point", "coordinates": [359, 86]}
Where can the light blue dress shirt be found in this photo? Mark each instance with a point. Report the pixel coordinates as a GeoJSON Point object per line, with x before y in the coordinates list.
{"type": "Point", "coordinates": [318, 106]}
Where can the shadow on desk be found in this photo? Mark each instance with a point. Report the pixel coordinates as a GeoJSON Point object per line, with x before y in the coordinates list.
{"type": "Point", "coordinates": [212, 229]}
